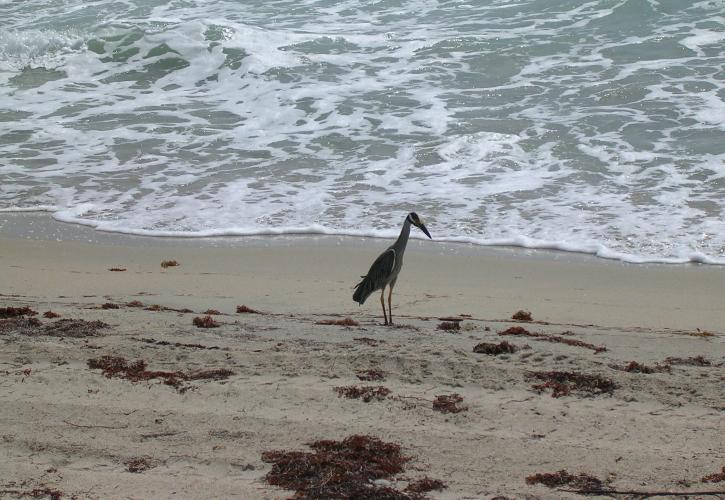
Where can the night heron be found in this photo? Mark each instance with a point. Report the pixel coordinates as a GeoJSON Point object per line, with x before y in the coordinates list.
{"type": "Point", "coordinates": [384, 271]}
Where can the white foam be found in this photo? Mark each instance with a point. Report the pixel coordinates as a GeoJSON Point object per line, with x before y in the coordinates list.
{"type": "Point", "coordinates": [701, 38]}
{"type": "Point", "coordinates": [502, 124]}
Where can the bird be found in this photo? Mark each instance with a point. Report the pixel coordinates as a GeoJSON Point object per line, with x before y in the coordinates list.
{"type": "Point", "coordinates": [384, 271]}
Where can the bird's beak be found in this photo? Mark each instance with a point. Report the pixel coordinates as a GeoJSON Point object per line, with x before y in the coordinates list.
{"type": "Point", "coordinates": [425, 230]}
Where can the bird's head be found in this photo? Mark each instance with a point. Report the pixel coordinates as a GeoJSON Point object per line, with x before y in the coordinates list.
{"type": "Point", "coordinates": [418, 222]}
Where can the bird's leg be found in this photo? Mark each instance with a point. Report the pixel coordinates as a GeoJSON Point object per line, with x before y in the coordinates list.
{"type": "Point", "coordinates": [390, 305]}
{"type": "Point", "coordinates": [382, 302]}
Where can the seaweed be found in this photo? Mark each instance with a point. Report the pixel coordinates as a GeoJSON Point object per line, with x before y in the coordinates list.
{"type": "Point", "coordinates": [339, 469]}
{"type": "Point", "coordinates": [158, 308]}
{"type": "Point", "coordinates": [247, 310]}
{"type": "Point", "coordinates": [205, 322]}
{"type": "Point", "coordinates": [371, 375]}
{"type": "Point", "coordinates": [563, 478]}
{"type": "Point", "coordinates": [716, 477]}
{"type": "Point", "coordinates": [169, 263]}
{"type": "Point", "coordinates": [369, 341]}
{"type": "Point", "coordinates": [340, 322]}
{"type": "Point", "coordinates": [522, 315]}
{"type": "Point", "coordinates": [517, 330]}
{"type": "Point", "coordinates": [139, 464]}
{"type": "Point", "coordinates": [76, 328]}
{"type": "Point", "coordinates": [50, 315]}
{"type": "Point", "coordinates": [174, 344]}
{"type": "Point", "coordinates": [449, 403]}
{"type": "Point", "coordinates": [692, 361]}
{"type": "Point", "coordinates": [635, 367]}
{"type": "Point", "coordinates": [134, 303]}
{"type": "Point", "coordinates": [424, 485]}
{"type": "Point", "coordinates": [117, 269]}
{"type": "Point", "coordinates": [492, 349]}
{"type": "Point", "coordinates": [700, 333]}
{"type": "Point", "coordinates": [449, 325]}
{"type": "Point", "coordinates": [119, 367]}
{"type": "Point", "coordinates": [212, 312]}
{"type": "Point", "coordinates": [366, 393]}
{"type": "Point", "coordinates": [110, 305]}
{"type": "Point", "coordinates": [16, 312]}
{"type": "Point", "coordinates": [24, 326]}
{"type": "Point", "coordinates": [563, 383]}
{"type": "Point", "coordinates": [40, 492]}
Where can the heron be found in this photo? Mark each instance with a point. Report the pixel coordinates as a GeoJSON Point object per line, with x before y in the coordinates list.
{"type": "Point", "coordinates": [384, 271]}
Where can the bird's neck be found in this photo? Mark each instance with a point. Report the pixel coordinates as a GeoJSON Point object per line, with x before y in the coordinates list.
{"type": "Point", "coordinates": [404, 234]}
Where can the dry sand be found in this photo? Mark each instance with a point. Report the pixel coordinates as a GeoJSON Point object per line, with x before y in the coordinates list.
{"type": "Point", "coordinates": [69, 428]}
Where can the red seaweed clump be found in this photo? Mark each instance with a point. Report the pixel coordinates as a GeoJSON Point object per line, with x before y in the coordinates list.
{"type": "Point", "coordinates": [205, 322]}
{"type": "Point", "coordinates": [366, 393]}
{"type": "Point", "coordinates": [563, 383]}
{"type": "Point", "coordinates": [339, 469]}
{"type": "Point", "coordinates": [563, 478]}
{"type": "Point", "coordinates": [495, 349]}
{"type": "Point", "coordinates": [449, 403]}
{"type": "Point", "coordinates": [339, 322]}
{"type": "Point", "coordinates": [119, 367]}
{"type": "Point", "coordinates": [16, 312]}
{"type": "Point", "coordinates": [522, 316]}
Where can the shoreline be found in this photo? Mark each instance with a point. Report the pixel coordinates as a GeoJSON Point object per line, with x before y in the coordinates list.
{"type": "Point", "coordinates": [15, 224]}
{"type": "Point", "coordinates": [317, 274]}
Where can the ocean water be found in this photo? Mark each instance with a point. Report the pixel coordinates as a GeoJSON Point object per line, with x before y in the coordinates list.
{"type": "Point", "coordinates": [589, 126]}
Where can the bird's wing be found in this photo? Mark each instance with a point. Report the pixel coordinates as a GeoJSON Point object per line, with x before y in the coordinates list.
{"type": "Point", "coordinates": [382, 267]}
{"type": "Point", "coordinates": [377, 277]}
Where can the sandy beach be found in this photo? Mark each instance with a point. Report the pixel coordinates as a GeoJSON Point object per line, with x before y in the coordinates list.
{"type": "Point", "coordinates": [68, 428]}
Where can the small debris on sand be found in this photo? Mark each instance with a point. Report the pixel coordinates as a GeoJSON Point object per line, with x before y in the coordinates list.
{"type": "Point", "coordinates": [247, 310]}
{"type": "Point", "coordinates": [117, 269]}
{"type": "Point", "coordinates": [339, 322]}
{"type": "Point", "coordinates": [371, 375]}
{"type": "Point", "coordinates": [16, 312]}
{"type": "Point", "coordinates": [563, 383]}
{"type": "Point", "coordinates": [110, 305]}
{"type": "Point", "coordinates": [366, 393]}
{"type": "Point", "coordinates": [369, 341]}
{"type": "Point", "coordinates": [76, 328]}
{"type": "Point", "coordinates": [718, 477]}
{"type": "Point", "coordinates": [691, 361]}
{"type": "Point", "coordinates": [134, 303]}
{"type": "Point", "coordinates": [212, 312]}
{"type": "Point", "coordinates": [50, 315]}
{"type": "Point", "coordinates": [205, 322]}
{"type": "Point", "coordinates": [449, 325]}
{"type": "Point", "coordinates": [449, 403]}
{"type": "Point", "coordinates": [158, 308]}
{"type": "Point", "coordinates": [174, 344]}
{"type": "Point", "coordinates": [701, 333]}
{"type": "Point", "coordinates": [169, 263]}
{"type": "Point", "coordinates": [522, 315]}
{"type": "Point", "coordinates": [23, 326]}
{"type": "Point", "coordinates": [495, 349]}
{"type": "Point", "coordinates": [119, 367]}
{"type": "Point", "coordinates": [518, 330]}
{"type": "Point", "coordinates": [563, 478]}
{"type": "Point", "coordinates": [424, 485]}
{"type": "Point", "coordinates": [137, 465]}
{"type": "Point", "coordinates": [635, 367]}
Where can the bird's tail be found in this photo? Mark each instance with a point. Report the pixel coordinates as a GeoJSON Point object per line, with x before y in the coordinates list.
{"type": "Point", "coordinates": [363, 290]}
